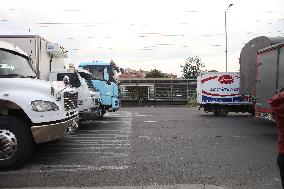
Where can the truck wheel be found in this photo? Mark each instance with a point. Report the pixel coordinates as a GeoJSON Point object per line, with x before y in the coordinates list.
{"type": "Point", "coordinates": [221, 111]}
{"type": "Point", "coordinates": [16, 142]}
{"type": "Point", "coordinates": [103, 113]}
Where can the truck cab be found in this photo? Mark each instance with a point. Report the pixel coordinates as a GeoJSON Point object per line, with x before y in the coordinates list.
{"type": "Point", "coordinates": [88, 99]}
{"type": "Point", "coordinates": [105, 80]}
{"type": "Point", "coordinates": [88, 77]}
{"type": "Point", "coordinates": [31, 111]}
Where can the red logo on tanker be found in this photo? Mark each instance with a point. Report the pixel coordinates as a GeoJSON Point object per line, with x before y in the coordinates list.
{"type": "Point", "coordinates": [226, 79]}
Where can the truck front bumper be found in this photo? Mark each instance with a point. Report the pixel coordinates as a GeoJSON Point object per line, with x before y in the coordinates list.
{"type": "Point", "coordinates": [93, 115]}
{"type": "Point", "coordinates": [45, 132]}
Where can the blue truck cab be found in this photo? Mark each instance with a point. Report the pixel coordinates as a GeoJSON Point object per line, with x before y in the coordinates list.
{"type": "Point", "coordinates": [105, 80]}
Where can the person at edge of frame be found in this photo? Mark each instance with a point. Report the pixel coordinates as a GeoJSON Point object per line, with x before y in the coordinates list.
{"type": "Point", "coordinates": [277, 106]}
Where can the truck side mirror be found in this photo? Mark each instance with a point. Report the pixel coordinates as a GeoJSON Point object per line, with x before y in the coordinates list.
{"type": "Point", "coordinates": [106, 75]}
{"type": "Point", "coordinates": [66, 80]}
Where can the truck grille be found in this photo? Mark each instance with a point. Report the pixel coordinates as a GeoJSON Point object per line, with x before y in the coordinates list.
{"type": "Point", "coordinates": [70, 100]}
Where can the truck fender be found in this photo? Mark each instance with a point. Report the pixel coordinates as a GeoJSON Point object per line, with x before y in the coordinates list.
{"type": "Point", "coordinates": [16, 110]}
{"type": "Point", "coordinates": [23, 102]}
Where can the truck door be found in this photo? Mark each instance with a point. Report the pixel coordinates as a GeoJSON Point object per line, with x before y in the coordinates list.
{"type": "Point", "coordinates": [266, 78]}
{"type": "Point", "coordinates": [281, 69]}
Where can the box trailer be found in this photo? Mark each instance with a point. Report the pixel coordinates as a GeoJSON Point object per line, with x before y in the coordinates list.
{"type": "Point", "coordinates": [248, 61]}
{"type": "Point", "coordinates": [269, 78]}
{"type": "Point", "coordinates": [218, 92]}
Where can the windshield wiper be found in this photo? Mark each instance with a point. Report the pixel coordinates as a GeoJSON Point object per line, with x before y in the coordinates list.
{"type": "Point", "coordinates": [12, 75]}
{"type": "Point", "coordinates": [30, 76]}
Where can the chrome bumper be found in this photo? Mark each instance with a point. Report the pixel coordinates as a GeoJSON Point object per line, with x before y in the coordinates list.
{"type": "Point", "coordinates": [53, 130]}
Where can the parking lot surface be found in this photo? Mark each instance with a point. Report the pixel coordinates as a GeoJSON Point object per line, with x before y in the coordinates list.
{"type": "Point", "coordinates": [157, 146]}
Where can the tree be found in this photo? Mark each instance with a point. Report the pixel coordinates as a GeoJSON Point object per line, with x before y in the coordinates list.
{"type": "Point", "coordinates": [155, 74]}
{"type": "Point", "coordinates": [192, 68]}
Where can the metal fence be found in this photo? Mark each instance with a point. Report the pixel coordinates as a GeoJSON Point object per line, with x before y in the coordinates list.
{"type": "Point", "coordinates": [157, 89]}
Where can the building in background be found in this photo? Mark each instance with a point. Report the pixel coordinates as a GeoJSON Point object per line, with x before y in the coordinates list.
{"type": "Point", "coordinates": [157, 90]}
{"type": "Point", "coordinates": [130, 73]}
{"type": "Point", "coordinates": [137, 89]}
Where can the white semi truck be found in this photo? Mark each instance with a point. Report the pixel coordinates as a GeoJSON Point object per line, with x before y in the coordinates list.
{"type": "Point", "coordinates": [88, 99]}
{"type": "Point", "coordinates": [31, 110]}
{"type": "Point", "coordinates": [48, 61]}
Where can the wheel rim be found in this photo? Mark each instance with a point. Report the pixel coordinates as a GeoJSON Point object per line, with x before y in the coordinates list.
{"type": "Point", "coordinates": [223, 112]}
{"type": "Point", "coordinates": [8, 144]}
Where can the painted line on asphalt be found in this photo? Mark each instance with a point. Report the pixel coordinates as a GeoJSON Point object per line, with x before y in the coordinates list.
{"type": "Point", "coordinates": [126, 131]}
{"type": "Point", "coordinates": [65, 168]}
{"type": "Point", "coordinates": [96, 144]}
{"type": "Point", "coordinates": [150, 121]}
{"type": "Point", "coordinates": [176, 186]}
{"type": "Point", "coordinates": [71, 143]}
{"type": "Point", "coordinates": [99, 137]}
{"type": "Point", "coordinates": [112, 154]}
{"type": "Point", "coordinates": [110, 121]}
{"type": "Point", "coordinates": [97, 134]}
{"type": "Point", "coordinates": [84, 148]}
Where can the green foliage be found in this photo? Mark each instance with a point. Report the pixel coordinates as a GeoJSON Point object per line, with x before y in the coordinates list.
{"type": "Point", "coordinates": [192, 102]}
{"type": "Point", "coordinates": [192, 68]}
{"type": "Point", "coordinates": [155, 74]}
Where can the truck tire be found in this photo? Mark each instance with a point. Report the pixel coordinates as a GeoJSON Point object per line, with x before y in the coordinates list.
{"type": "Point", "coordinates": [221, 111]}
{"type": "Point", "coordinates": [16, 142]}
{"type": "Point", "coordinates": [103, 113]}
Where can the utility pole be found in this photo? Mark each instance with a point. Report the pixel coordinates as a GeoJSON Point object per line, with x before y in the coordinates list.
{"type": "Point", "coordinates": [226, 36]}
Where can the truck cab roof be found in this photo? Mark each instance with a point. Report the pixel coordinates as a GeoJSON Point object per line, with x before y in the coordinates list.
{"type": "Point", "coordinates": [94, 63]}
{"type": "Point", "coordinates": [83, 71]}
{"type": "Point", "coordinates": [69, 70]}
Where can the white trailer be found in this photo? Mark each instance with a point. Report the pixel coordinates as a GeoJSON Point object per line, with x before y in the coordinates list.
{"type": "Point", "coordinates": [218, 92]}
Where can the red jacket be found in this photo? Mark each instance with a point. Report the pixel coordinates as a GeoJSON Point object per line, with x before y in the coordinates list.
{"type": "Point", "coordinates": [277, 106]}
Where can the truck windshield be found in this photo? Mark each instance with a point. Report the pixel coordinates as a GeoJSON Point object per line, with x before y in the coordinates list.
{"type": "Point", "coordinates": [74, 80]}
{"type": "Point", "coordinates": [14, 65]}
{"type": "Point", "coordinates": [97, 72]}
{"type": "Point", "coordinates": [88, 78]}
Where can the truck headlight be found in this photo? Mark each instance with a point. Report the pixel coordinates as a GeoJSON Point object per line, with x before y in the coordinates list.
{"type": "Point", "coordinates": [43, 106]}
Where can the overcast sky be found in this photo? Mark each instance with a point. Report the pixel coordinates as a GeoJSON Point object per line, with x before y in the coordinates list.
{"type": "Point", "coordinates": [146, 34]}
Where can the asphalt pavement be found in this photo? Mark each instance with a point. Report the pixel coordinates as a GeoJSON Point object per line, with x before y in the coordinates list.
{"type": "Point", "coordinates": [157, 147]}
